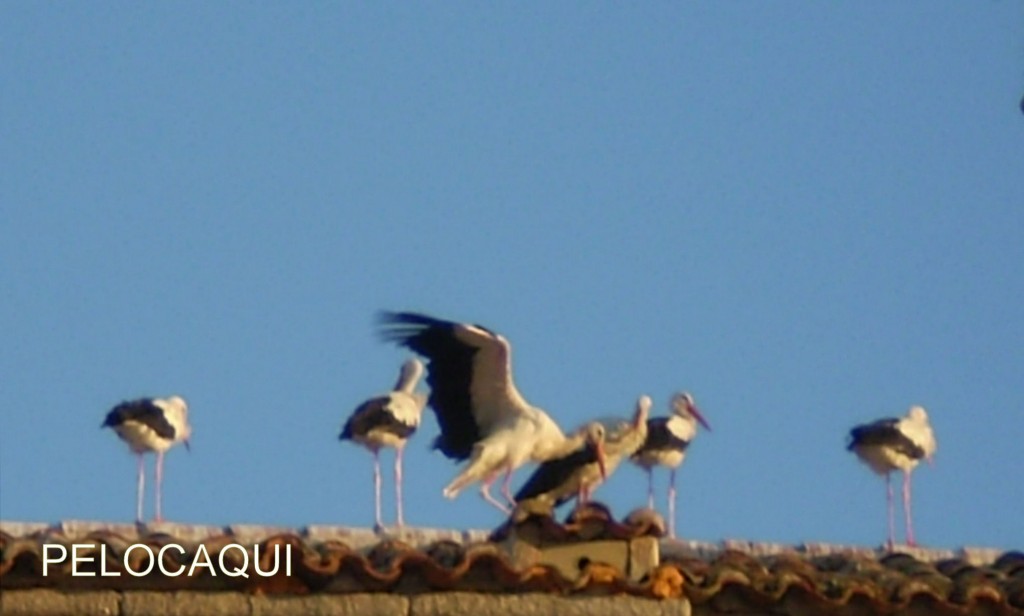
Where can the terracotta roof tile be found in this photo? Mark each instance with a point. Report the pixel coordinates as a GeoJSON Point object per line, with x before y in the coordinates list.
{"type": "Point", "coordinates": [731, 575]}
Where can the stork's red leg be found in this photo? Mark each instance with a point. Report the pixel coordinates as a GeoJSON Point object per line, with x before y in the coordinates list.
{"type": "Point", "coordinates": [485, 491]}
{"type": "Point", "coordinates": [906, 508]}
{"type": "Point", "coordinates": [672, 503]}
{"type": "Point", "coordinates": [140, 488]}
{"type": "Point", "coordinates": [506, 488]}
{"type": "Point", "coordinates": [892, 515]}
{"type": "Point", "coordinates": [376, 490]}
{"type": "Point", "coordinates": [398, 485]}
{"type": "Point", "coordinates": [159, 485]}
{"type": "Point", "coordinates": [650, 488]}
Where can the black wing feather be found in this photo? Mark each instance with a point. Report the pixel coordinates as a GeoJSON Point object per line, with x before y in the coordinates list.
{"type": "Point", "coordinates": [449, 373]}
{"type": "Point", "coordinates": [374, 414]}
{"type": "Point", "coordinates": [556, 474]}
{"type": "Point", "coordinates": [142, 411]}
{"type": "Point", "coordinates": [659, 437]}
{"type": "Point", "coordinates": [884, 433]}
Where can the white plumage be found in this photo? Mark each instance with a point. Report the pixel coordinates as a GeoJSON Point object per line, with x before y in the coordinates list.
{"type": "Point", "coordinates": [150, 425]}
{"type": "Point", "coordinates": [586, 462]}
{"type": "Point", "coordinates": [894, 444]}
{"type": "Point", "coordinates": [482, 416]}
{"type": "Point", "coordinates": [388, 421]}
{"type": "Point", "coordinates": [668, 439]}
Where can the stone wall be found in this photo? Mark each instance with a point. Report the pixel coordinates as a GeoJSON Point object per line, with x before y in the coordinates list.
{"type": "Point", "coordinates": [39, 602]}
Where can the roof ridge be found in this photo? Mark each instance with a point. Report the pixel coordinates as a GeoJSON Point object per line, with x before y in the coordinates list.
{"type": "Point", "coordinates": [362, 537]}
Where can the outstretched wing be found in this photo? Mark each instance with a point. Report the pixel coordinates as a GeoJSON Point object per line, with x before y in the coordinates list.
{"type": "Point", "coordinates": [469, 373]}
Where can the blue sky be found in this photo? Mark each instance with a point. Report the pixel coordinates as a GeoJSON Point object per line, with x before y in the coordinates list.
{"type": "Point", "coordinates": [807, 214]}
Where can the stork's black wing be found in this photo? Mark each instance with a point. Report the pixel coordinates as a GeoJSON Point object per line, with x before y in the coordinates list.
{"type": "Point", "coordinates": [449, 375]}
{"type": "Point", "coordinates": [143, 411]}
{"type": "Point", "coordinates": [375, 414]}
{"type": "Point", "coordinates": [884, 433]}
{"type": "Point", "coordinates": [559, 478]}
{"type": "Point", "coordinates": [661, 438]}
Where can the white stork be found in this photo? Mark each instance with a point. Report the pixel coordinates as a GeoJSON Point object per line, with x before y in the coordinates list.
{"type": "Point", "coordinates": [667, 441]}
{"type": "Point", "coordinates": [895, 443]}
{"type": "Point", "coordinates": [482, 416]}
{"type": "Point", "coordinates": [150, 424]}
{"type": "Point", "coordinates": [561, 478]}
{"type": "Point", "coordinates": [389, 421]}
{"type": "Point", "coordinates": [588, 464]}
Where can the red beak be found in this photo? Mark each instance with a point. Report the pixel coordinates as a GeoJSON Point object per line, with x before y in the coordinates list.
{"type": "Point", "coordinates": [601, 461]}
{"type": "Point", "coordinates": [700, 418]}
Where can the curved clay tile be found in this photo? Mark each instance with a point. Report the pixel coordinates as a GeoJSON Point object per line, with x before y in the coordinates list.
{"type": "Point", "coordinates": [744, 577]}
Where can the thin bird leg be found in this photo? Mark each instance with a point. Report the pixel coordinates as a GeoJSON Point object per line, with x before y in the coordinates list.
{"type": "Point", "coordinates": [140, 488]}
{"type": "Point", "coordinates": [485, 491]}
{"type": "Point", "coordinates": [892, 518]}
{"type": "Point", "coordinates": [377, 489]}
{"type": "Point", "coordinates": [672, 503]}
{"type": "Point", "coordinates": [398, 485]}
{"type": "Point", "coordinates": [506, 488]}
{"type": "Point", "coordinates": [650, 488]}
{"type": "Point", "coordinates": [159, 484]}
{"type": "Point", "coordinates": [476, 470]}
{"type": "Point", "coordinates": [584, 494]}
{"type": "Point", "coordinates": [906, 508]}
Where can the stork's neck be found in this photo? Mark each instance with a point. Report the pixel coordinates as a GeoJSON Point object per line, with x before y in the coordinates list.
{"type": "Point", "coordinates": [920, 432]}
{"type": "Point", "coordinates": [643, 411]}
{"type": "Point", "coordinates": [409, 377]}
{"type": "Point", "coordinates": [629, 440]}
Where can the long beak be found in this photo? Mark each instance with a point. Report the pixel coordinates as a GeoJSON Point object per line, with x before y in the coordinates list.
{"type": "Point", "coordinates": [601, 463]}
{"type": "Point", "coordinates": [188, 447]}
{"type": "Point", "coordinates": [700, 418]}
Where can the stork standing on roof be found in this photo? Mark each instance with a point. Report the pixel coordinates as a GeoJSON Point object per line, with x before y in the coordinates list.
{"type": "Point", "coordinates": [561, 478]}
{"type": "Point", "coordinates": [150, 425]}
{"type": "Point", "coordinates": [483, 417]}
{"type": "Point", "coordinates": [893, 444]}
{"type": "Point", "coordinates": [389, 421]}
{"type": "Point", "coordinates": [587, 465]}
{"type": "Point", "coordinates": [668, 438]}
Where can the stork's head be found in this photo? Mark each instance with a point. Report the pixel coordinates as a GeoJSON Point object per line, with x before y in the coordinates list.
{"type": "Point", "coordinates": [177, 410]}
{"type": "Point", "coordinates": [643, 410]}
{"type": "Point", "coordinates": [684, 406]}
{"type": "Point", "coordinates": [918, 416]}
